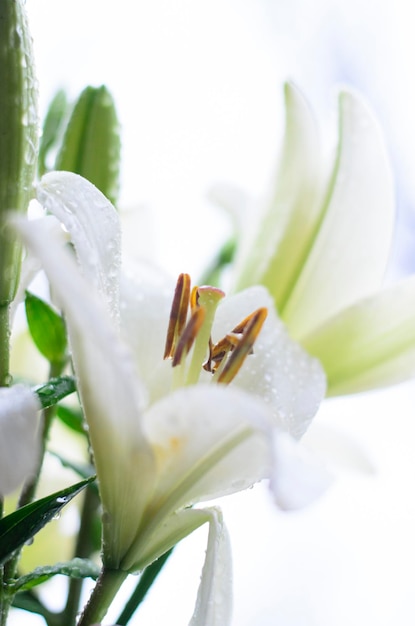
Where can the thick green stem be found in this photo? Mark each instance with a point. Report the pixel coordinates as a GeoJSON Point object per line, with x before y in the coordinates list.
{"type": "Point", "coordinates": [4, 345]}
{"type": "Point", "coordinates": [103, 594]}
{"type": "Point", "coordinates": [84, 548]}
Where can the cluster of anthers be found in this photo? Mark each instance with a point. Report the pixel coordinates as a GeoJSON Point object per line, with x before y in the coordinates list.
{"type": "Point", "coordinates": [224, 358]}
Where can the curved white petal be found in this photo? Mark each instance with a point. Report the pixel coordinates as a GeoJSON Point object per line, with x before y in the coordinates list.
{"type": "Point", "coordinates": [208, 441]}
{"type": "Point", "coordinates": [279, 371]}
{"type": "Point", "coordinates": [297, 478]}
{"type": "Point", "coordinates": [292, 213]}
{"type": "Point", "coordinates": [94, 227]}
{"type": "Point", "coordinates": [109, 389]}
{"type": "Point", "coordinates": [214, 598]}
{"type": "Point", "coordinates": [31, 265]}
{"type": "Point", "coordinates": [371, 344]}
{"type": "Point", "coordinates": [145, 300]}
{"type": "Point", "coordinates": [19, 436]}
{"type": "Point", "coordinates": [350, 251]}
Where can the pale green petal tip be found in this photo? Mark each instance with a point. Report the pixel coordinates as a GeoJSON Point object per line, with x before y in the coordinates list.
{"type": "Point", "coordinates": [371, 344]}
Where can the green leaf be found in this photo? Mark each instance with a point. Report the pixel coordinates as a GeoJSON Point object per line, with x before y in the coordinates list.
{"type": "Point", "coordinates": [84, 471]}
{"type": "Point", "coordinates": [143, 586]}
{"type": "Point", "coordinates": [76, 568]}
{"type": "Point", "coordinates": [91, 145]}
{"type": "Point", "coordinates": [55, 390]}
{"type": "Point", "coordinates": [47, 329]}
{"type": "Point", "coordinates": [72, 418]}
{"type": "Point", "coordinates": [52, 126]}
{"type": "Point", "coordinates": [20, 526]}
{"type": "Point", "coordinates": [28, 601]}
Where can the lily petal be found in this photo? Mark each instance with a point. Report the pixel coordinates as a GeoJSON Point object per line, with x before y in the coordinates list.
{"type": "Point", "coordinates": [292, 214]}
{"type": "Point", "coordinates": [371, 344]}
{"type": "Point", "coordinates": [297, 479]}
{"type": "Point", "coordinates": [145, 303]}
{"type": "Point", "coordinates": [93, 225]}
{"type": "Point", "coordinates": [349, 253]}
{"type": "Point", "coordinates": [214, 598]}
{"type": "Point", "coordinates": [108, 387]}
{"type": "Point", "coordinates": [208, 441]}
{"type": "Point", "coordinates": [279, 370]}
{"type": "Point", "coordinates": [20, 436]}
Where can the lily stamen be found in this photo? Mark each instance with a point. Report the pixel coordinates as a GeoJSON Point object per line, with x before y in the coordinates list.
{"type": "Point", "coordinates": [189, 335]}
{"type": "Point", "coordinates": [226, 357]}
{"type": "Point", "coordinates": [178, 314]}
{"type": "Point", "coordinates": [251, 328]}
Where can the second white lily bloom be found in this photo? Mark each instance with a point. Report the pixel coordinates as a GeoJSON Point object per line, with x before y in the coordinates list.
{"type": "Point", "coordinates": [321, 243]}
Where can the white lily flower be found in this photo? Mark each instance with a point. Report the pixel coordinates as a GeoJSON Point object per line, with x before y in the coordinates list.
{"type": "Point", "coordinates": [167, 438]}
{"type": "Point", "coordinates": [321, 244]}
{"type": "Point", "coordinates": [19, 436]}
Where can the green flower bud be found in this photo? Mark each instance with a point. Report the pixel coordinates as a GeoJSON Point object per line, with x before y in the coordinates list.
{"type": "Point", "coordinates": [91, 145]}
{"type": "Point", "coordinates": [18, 134]}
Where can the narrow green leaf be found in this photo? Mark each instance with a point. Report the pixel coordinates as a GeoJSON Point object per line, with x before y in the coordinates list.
{"type": "Point", "coordinates": [91, 145]}
{"type": "Point", "coordinates": [20, 526]}
{"type": "Point", "coordinates": [143, 586]}
{"type": "Point", "coordinates": [72, 418]}
{"type": "Point", "coordinates": [55, 390]}
{"type": "Point", "coordinates": [28, 601]}
{"type": "Point", "coordinates": [52, 127]}
{"type": "Point", "coordinates": [84, 471]}
{"type": "Point", "coordinates": [76, 568]}
{"type": "Point", "coordinates": [47, 329]}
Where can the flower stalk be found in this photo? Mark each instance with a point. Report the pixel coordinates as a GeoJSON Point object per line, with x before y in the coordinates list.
{"type": "Point", "coordinates": [18, 148]}
{"type": "Point", "coordinates": [103, 594]}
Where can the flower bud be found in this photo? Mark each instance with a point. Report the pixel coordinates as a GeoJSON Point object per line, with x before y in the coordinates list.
{"type": "Point", "coordinates": [18, 134]}
{"type": "Point", "coordinates": [91, 145]}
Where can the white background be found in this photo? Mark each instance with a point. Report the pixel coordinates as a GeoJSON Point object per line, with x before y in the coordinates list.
{"type": "Point", "coordinates": [198, 90]}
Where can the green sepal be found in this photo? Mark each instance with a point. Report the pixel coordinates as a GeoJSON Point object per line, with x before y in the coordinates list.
{"type": "Point", "coordinates": [76, 568]}
{"type": "Point", "coordinates": [72, 418]}
{"type": "Point", "coordinates": [47, 329]}
{"type": "Point", "coordinates": [55, 390]}
{"type": "Point", "coordinates": [91, 145]}
{"type": "Point", "coordinates": [20, 526]}
{"type": "Point", "coordinates": [52, 129]}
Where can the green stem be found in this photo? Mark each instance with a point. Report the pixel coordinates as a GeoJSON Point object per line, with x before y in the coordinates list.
{"type": "Point", "coordinates": [105, 590]}
{"type": "Point", "coordinates": [84, 548]}
{"type": "Point", "coordinates": [147, 579]}
{"type": "Point", "coordinates": [4, 345]}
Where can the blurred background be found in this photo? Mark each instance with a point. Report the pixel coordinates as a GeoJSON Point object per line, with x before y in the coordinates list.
{"type": "Point", "coordinates": [198, 87]}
